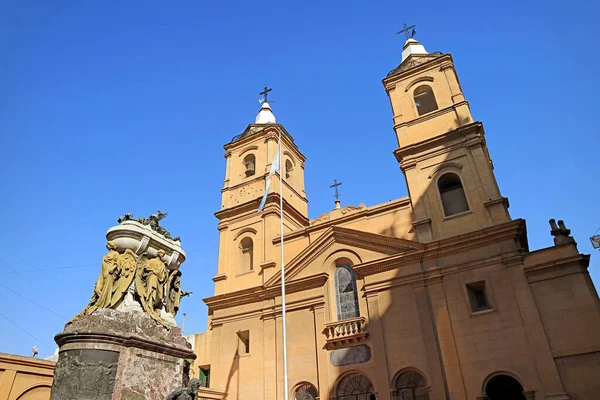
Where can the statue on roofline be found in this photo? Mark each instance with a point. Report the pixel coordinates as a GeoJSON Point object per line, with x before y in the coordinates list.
{"type": "Point", "coordinates": [153, 221]}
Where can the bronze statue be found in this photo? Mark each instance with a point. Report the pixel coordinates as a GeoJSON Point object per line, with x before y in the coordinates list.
{"type": "Point", "coordinates": [103, 290]}
{"type": "Point", "coordinates": [174, 292]}
{"type": "Point", "coordinates": [153, 221]}
{"type": "Point", "coordinates": [151, 275]}
{"type": "Point", "coordinates": [126, 217]}
{"type": "Point", "coordinates": [127, 264]}
{"type": "Point", "coordinates": [185, 393]}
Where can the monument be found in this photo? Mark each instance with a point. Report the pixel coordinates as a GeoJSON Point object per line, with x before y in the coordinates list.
{"type": "Point", "coordinates": [125, 344]}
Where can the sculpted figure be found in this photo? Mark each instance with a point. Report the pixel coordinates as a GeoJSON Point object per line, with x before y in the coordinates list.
{"type": "Point", "coordinates": [103, 289]}
{"type": "Point", "coordinates": [127, 264]}
{"type": "Point", "coordinates": [174, 292]}
{"type": "Point", "coordinates": [151, 276]}
{"type": "Point", "coordinates": [126, 217]}
{"type": "Point", "coordinates": [185, 393]}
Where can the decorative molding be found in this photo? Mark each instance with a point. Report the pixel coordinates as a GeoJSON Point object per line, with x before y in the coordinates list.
{"type": "Point", "coordinates": [268, 264]}
{"type": "Point", "coordinates": [247, 149]}
{"type": "Point", "coordinates": [351, 237]}
{"type": "Point", "coordinates": [219, 277]}
{"type": "Point", "coordinates": [449, 164]}
{"type": "Point", "coordinates": [556, 268]}
{"type": "Point", "coordinates": [260, 293]}
{"type": "Point", "coordinates": [419, 80]}
{"type": "Point", "coordinates": [243, 231]}
{"type": "Point", "coordinates": [421, 221]}
{"type": "Point", "coordinates": [497, 200]}
{"type": "Point", "coordinates": [575, 351]}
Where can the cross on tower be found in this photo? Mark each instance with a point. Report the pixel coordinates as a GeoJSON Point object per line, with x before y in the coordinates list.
{"type": "Point", "coordinates": [406, 31]}
{"type": "Point", "coordinates": [265, 93]}
{"type": "Point", "coordinates": [335, 185]}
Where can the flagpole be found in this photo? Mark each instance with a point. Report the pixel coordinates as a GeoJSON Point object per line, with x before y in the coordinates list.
{"type": "Point", "coordinates": [283, 319]}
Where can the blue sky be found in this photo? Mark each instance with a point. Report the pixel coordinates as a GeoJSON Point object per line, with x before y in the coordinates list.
{"type": "Point", "coordinates": [109, 108]}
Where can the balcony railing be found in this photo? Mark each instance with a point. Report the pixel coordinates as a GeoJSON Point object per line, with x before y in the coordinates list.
{"type": "Point", "coordinates": [345, 333]}
{"type": "Point", "coordinates": [210, 394]}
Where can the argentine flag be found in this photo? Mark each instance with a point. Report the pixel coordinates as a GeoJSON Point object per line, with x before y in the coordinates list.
{"type": "Point", "coordinates": [274, 167]}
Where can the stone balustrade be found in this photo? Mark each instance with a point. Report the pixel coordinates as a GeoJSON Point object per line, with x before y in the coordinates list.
{"type": "Point", "coordinates": [348, 332]}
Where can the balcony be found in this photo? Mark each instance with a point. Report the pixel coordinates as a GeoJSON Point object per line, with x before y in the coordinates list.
{"type": "Point", "coordinates": [345, 333]}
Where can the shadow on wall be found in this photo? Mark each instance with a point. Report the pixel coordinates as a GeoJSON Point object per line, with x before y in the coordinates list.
{"type": "Point", "coordinates": [233, 370]}
{"type": "Point", "coordinates": [422, 323]}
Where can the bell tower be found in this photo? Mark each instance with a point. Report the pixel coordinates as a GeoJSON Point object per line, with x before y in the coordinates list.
{"type": "Point", "coordinates": [441, 150]}
{"type": "Point", "coordinates": [247, 253]}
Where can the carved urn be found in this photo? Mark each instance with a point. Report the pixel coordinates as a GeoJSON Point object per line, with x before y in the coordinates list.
{"type": "Point", "coordinates": [140, 238]}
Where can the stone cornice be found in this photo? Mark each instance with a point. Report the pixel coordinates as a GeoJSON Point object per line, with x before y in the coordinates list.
{"type": "Point", "coordinates": [251, 206]}
{"type": "Point", "coordinates": [507, 231]}
{"type": "Point", "coordinates": [515, 230]}
{"type": "Point", "coordinates": [390, 81]}
{"type": "Point", "coordinates": [260, 293]}
{"type": "Point", "coordinates": [44, 367]}
{"type": "Point", "coordinates": [557, 267]}
{"type": "Point", "coordinates": [387, 263]}
{"type": "Point", "coordinates": [126, 340]}
{"type": "Point", "coordinates": [403, 154]}
{"type": "Point", "coordinates": [259, 129]}
{"type": "Point", "coordinates": [431, 115]}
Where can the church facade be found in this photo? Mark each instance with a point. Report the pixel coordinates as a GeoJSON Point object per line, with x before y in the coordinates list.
{"type": "Point", "coordinates": [431, 296]}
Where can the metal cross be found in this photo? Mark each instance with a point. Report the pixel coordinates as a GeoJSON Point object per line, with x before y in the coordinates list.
{"type": "Point", "coordinates": [406, 31]}
{"type": "Point", "coordinates": [335, 185]}
{"type": "Point", "coordinates": [265, 92]}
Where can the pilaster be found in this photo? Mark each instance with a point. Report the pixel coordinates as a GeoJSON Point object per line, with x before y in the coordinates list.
{"type": "Point", "coordinates": [378, 348]}
{"type": "Point", "coordinates": [435, 369]}
{"type": "Point", "coordinates": [447, 344]}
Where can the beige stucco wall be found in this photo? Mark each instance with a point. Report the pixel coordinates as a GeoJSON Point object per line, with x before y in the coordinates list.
{"type": "Point", "coordinates": [25, 378]}
{"type": "Point", "coordinates": [412, 266]}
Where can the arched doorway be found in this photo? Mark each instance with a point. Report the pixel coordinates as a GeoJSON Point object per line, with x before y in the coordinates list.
{"type": "Point", "coordinates": [411, 385]}
{"type": "Point", "coordinates": [355, 386]}
{"type": "Point", "coordinates": [504, 387]}
{"type": "Point", "coordinates": [306, 391]}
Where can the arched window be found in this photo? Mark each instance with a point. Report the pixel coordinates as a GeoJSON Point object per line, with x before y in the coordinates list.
{"type": "Point", "coordinates": [504, 387]}
{"type": "Point", "coordinates": [346, 293]}
{"type": "Point", "coordinates": [411, 385]}
{"type": "Point", "coordinates": [306, 392]}
{"type": "Point", "coordinates": [425, 99]}
{"type": "Point", "coordinates": [452, 194]}
{"type": "Point", "coordinates": [250, 164]}
{"type": "Point", "coordinates": [289, 167]}
{"type": "Point", "coordinates": [355, 387]}
{"type": "Point", "coordinates": [246, 255]}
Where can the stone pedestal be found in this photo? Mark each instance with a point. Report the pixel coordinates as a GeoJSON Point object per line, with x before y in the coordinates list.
{"type": "Point", "coordinates": [115, 355]}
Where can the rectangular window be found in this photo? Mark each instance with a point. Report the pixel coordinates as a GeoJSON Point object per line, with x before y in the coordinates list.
{"type": "Point", "coordinates": [205, 376]}
{"type": "Point", "coordinates": [244, 345]}
{"type": "Point", "coordinates": [478, 296]}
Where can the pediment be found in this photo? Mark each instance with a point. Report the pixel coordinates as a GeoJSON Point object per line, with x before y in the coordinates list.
{"type": "Point", "coordinates": [413, 61]}
{"type": "Point", "coordinates": [353, 239]}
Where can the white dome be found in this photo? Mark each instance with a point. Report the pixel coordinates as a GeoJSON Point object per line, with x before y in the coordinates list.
{"type": "Point", "coordinates": [265, 115]}
{"type": "Point", "coordinates": [412, 46]}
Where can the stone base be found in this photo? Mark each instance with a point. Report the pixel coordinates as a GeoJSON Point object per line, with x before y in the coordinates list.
{"type": "Point", "coordinates": [114, 355]}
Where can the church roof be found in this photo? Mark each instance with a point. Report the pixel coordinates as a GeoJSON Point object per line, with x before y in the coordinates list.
{"type": "Point", "coordinates": [413, 54]}
{"type": "Point", "coordinates": [255, 129]}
